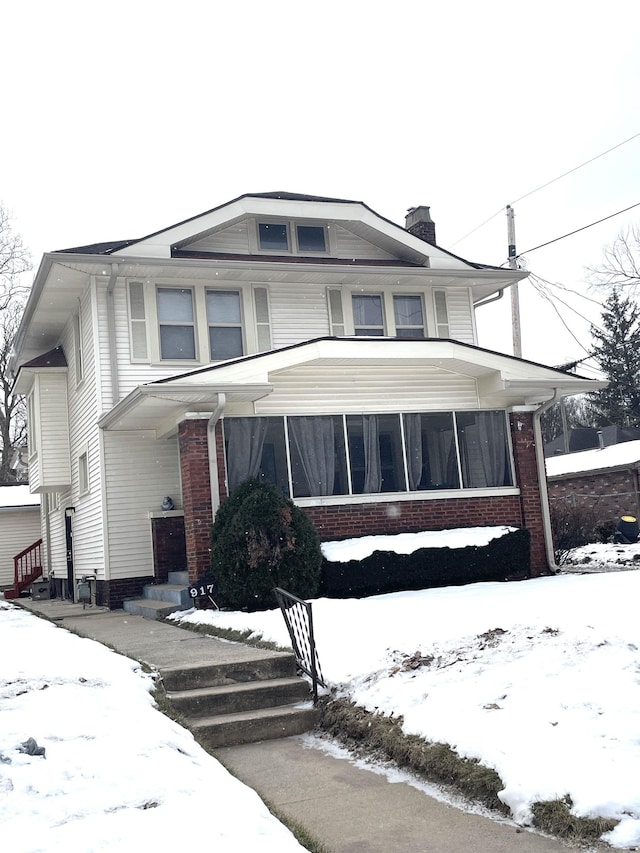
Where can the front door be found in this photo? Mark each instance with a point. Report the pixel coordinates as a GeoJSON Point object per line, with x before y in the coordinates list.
{"type": "Point", "coordinates": [68, 530]}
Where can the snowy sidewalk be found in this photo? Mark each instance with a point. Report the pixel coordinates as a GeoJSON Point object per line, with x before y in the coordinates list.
{"type": "Point", "coordinates": [345, 806]}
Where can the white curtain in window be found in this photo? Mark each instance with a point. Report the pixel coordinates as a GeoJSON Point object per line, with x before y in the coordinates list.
{"type": "Point", "coordinates": [315, 442]}
{"type": "Point", "coordinates": [483, 451]}
{"type": "Point", "coordinates": [372, 467]}
{"type": "Point", "coordinates": [244, 451]}
{"type": "Point", "coordinates": [413, 439]}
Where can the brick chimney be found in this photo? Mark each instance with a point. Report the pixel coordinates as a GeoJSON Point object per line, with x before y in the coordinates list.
{"type": "Point", "coordinates": [419, 223]}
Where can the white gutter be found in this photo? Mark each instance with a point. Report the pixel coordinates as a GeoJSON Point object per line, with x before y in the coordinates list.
{"type": "Point", "coordinates": [111, 334]}
{"type": "Point", "coordinates": [212, 450]}
{"type": "Point", "coordinates": [542, 479]}
{"type": "Point", "coordinates": [489, 299]}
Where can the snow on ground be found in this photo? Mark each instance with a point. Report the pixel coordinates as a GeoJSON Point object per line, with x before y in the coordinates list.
{"type": "Point", "coordinates": [116, 770]}
{"type": "Point", "coordinates": [538, 679]}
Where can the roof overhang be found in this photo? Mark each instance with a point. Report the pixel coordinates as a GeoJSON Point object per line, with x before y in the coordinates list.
{"type": "Point", "coordinates": [502, 381]}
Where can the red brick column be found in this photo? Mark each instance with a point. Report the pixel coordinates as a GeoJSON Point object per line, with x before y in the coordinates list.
{"type": "Point", "coordinates": [524, 451]}
{"type": "Point", "coordinates": [196, 494]}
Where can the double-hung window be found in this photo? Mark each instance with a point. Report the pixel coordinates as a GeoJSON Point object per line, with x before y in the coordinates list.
{"type": "Point", "coordinates": [408, 316]}
{"type": "Point", "coordinates": [177, 324]}
{"type": "Point", "coordinates": [368, 316]}
{"type": "Point", "coordinates": [224, 316]}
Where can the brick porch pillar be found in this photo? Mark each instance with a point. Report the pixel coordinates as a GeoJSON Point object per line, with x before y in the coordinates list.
{"type": "Point", "coordinates": [524, 451]}
{"type": "Point", "coordinates": [196, 494]}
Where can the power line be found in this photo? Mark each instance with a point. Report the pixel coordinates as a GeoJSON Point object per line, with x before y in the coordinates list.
{"type": "Point", "coordinates": [577, 230]}
{"type": "Point", "coordinates": [542, 186]}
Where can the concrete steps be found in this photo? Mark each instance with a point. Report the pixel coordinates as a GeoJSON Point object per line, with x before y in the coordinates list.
{"type": "Point", "coordinates": [159, 600]}
{"type": "Point", "coordinates": [242, 701]}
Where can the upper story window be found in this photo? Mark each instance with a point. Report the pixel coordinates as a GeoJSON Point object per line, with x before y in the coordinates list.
{"type": "Point", "coordinates": [401, 315]}
{"type": "Point", "coordinates": [273, 236]}
{"type": "Point", "coordinates": [408, 316]}
{"type": "Point", "coordinates": [311, 238]}
{"type": "Point", "coordinates": [176, 321]}
{"type": "Point", "coordinates": [368, 318]}
{"type": "Point", "coordinates": [203, 323]}
{"type": "Point", "coordinates": [292, 238]}
{"type": "Point", "coordinates": [224, 316]}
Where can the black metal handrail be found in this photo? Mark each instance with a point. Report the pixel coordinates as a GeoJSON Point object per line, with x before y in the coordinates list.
{"type": "Point", "coordinates": [298, 618]}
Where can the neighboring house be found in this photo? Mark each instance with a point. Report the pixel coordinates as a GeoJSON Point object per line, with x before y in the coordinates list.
{"type": "Point", "coordinates": [605, 481]}
{"type": "Point", "coordinates": [307, 340]}
{"type": "Point", "coordinates": [19, 527]}
{"type": "Point", "coordinates": [584, 438]}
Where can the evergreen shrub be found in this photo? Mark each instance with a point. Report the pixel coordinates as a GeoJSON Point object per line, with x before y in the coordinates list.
{"type": "Point", "coordinates": [260, 540]}
{"type": "Point", "coordinates": [505, 558]}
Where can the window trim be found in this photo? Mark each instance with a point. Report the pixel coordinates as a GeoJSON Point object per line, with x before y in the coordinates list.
{"type": "Point", "coordinates": [293, 246]}
{"type": "Point", "coordinates": [78, 349]}
{"type": "Point", "coordinates": [32, 425]}
{"type": "Point", "coordinates": [84, 476]}
{"type": "Point", "coordinates": [178, 324]}
{"type": "Point", "coordinates": [241, 324]}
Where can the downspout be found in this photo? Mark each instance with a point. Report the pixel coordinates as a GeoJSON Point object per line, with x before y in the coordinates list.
{"type": "Point", "coordinates": [542, 480]}
{"type": "Point", "coordinates": [212, 450]}
{"type": "Point", "coordinates": [111, 334]}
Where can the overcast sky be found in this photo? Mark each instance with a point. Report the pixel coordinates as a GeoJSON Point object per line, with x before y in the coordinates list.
{"type": "Point", "coordinates": [122, 118]}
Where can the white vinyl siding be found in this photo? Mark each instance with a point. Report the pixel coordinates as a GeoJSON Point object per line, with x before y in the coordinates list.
{"type": "Point", "coordinates": [19, 529]}
{"type": "Point", "coordinates": [49, 401]}
{"type": "Point", "coordinates": [381, 388]}
{"type": "Point", "coordinates": [298, 313]}
{"type": "Point", "coordinates": [142, 470]}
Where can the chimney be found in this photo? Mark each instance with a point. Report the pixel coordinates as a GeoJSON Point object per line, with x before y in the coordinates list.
{"type": "Point", "coordinates": [419, 223]}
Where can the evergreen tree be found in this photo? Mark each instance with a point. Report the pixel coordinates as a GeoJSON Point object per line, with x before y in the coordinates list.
{"type": "Point", "coordinates": [617, 349]}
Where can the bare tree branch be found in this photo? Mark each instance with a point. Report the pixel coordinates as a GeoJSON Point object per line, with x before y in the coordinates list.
{"type": "Point", "coordinates": [620, 266]}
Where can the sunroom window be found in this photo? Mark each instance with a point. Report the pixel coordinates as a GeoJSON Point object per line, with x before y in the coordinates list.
{"type": "Point", "coordinates": [323, 455]}
{"type": "Point", "coordinates": [176, 321]}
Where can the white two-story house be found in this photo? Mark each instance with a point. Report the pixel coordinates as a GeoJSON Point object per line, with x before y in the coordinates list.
{"type": "Point", "coordinates": [306, 340]}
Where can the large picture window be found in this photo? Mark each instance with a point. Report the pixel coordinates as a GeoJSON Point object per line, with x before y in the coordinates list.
{"type": "Point", "coordinates": [323, 455]}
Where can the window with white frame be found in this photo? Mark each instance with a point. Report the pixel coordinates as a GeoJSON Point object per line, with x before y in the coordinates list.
{"type": "Point", "coordinates": [368, 316]}
{"type": "Point", "coordinates": [322, 455]}
{"type": "Point", "coordinates": [224, 317]}
{"type": "Point", "coordinates": [408, 316]}
{"type": "Point", "coordinates": [292, 237]}
{"type": "Point", "coordinates": [176, 321]}
{"type": "Point", "coordinates": [83, 472]}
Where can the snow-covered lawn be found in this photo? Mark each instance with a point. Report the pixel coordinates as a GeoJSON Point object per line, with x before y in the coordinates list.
{"type": "Point", "coordinates": [539, 679]}
{"type": "Point", "coordinates": [117, 774]}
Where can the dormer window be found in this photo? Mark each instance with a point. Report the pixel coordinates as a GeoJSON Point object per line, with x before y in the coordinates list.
{"type": "Point", "coordinates": [310, 238]}
{"type": "Point", "coordinates": [292, 238]}
{"type": "Point", "coordinates": [273, 236]}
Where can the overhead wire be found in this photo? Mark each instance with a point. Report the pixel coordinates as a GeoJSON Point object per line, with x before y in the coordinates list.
{"type": "Point", "coordinates": [546, 184]}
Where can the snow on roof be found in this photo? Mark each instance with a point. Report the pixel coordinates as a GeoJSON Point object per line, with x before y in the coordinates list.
{"type": "Point", "coordinates": [614, 456]}
{"type": "Point", "coordinates": [11, 496]}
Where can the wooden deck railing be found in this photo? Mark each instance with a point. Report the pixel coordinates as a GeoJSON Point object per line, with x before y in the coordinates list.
{"type": "Point", "coordinates": [27, 568]}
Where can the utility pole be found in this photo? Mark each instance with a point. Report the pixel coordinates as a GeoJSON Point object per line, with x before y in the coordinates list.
{"type": "Point", "coordinates": [515, 296]}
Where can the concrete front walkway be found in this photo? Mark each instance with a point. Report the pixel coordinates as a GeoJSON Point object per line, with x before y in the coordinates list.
{"type": "Point", "coordinates": [347, 808]}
